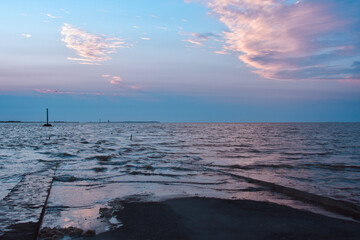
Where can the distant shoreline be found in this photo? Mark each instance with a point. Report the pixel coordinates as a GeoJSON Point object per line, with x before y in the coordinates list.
{"type": "Point", "coordinates": [11, 121]}
{"type": "Point", "coordinates": [80, 122]}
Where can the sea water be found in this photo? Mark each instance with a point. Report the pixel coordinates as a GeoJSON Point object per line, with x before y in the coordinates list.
{"type": "Point", "coordinates": [91, 164]}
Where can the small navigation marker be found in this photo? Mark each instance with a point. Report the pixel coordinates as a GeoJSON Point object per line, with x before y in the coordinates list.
{"type": "Point", "coordinates": [47, 124]}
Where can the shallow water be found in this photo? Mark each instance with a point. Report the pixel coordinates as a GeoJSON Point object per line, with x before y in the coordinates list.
{"type": "Point", "coordinates": [96, 163]}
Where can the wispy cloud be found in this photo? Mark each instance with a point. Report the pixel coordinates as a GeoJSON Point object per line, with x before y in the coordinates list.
{"type": "Point", "coordinates": [52, 16]}
{"type": "Point", "coordinates": [145, 38]}
{"type": "Point", "coordinates": [194, 42]}
{"type": "Point", "coordinates": [114, 80]}
{"type": "Point", "coordinates": [52, 91]}
{"type": "Point", "coordinates": [221, 52]}
{"type": "Point", "coordinates": [91, 48]}
{"type": "Point", "coordinates": [25, 35]}
{"type": "Point", "coordinates": [163, 28]}
{"type": "Point", "coordinates": [197, 39]}
{"type": "Point", "coordinates": [283, 39]}
{"type": "Point", "coordinates": [204, 36]}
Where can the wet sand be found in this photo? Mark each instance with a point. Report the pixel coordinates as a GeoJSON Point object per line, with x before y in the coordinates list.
{"type": "Point", "coordinates": [209, 218]}
{"type": "Point", "coordinates": [203, 218]}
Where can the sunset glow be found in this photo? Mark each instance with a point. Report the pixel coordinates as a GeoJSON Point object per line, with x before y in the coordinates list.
{"type": "Point", "coordinates": [246, 58]}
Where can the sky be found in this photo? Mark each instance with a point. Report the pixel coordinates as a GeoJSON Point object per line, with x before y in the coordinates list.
{"type": "Point", "coordinates": [180, 60]}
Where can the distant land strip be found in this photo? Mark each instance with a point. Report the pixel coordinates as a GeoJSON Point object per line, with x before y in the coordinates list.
{"type": "Point", "coordinates": [80, 122]}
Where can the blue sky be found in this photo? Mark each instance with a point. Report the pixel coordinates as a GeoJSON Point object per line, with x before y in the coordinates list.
{"type": "Point", "coordinates": [175, 60]}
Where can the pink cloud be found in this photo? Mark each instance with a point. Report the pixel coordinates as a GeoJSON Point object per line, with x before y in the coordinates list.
{"type": "Point", "coordinates": [52, 91]}
{"type": "Point", "coordinates": [115, 80]}
{"type": "Point", "coordinates": [197, 39]}
{"type": "Point", "coordinates": [221, 52]}
{"type": "Point", "coordinates": [194, 42]}
{"type": "Point", "coordinates": [284, 40]}
{"type": "Point", "coordinates": [91, 48]}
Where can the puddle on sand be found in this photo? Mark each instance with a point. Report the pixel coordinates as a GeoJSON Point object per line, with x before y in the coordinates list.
{"type": "Point", "coordinates": [84, 218]}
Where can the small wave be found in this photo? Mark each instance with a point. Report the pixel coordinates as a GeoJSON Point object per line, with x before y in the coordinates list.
{"type": "Point", "coordinates": [333, 167]}
{"type": "Point", "coordinates": [254, 150]}
{"type": "Point", "coordinates": [181, 169]}
{"type": "Point", "coordinates": [102, 158]}
{"type": "Point", "coordinates": [156, 156]}
{"type": "Point", "coordinates": [292, 153]}
{"type": "Point", "coordinates": [153, 174]}
{"type": "Point", "coordinates": [99, 169]}
{"type": "Point", "coordinates": [149, 167]}
{"type": "Point", "coordinates": [125, 150]}
{"type": "Point", "coordinates": [257, 166]}
{"type": "Point", "coordinates": [100, 142]}
{"type": "Point", "coordinates": [142, 149]}
{"type": "Point", "coordinates": [64, 155]}
{"type": "Point", "coordinates": [307, 153]}
{"type": "Point", "coordinates": [70, 178]}
{"type": "Point", "coordinates": [236, 156]}
{"type": "Point", "coordinates": [348, 188]}
{"type": "Point", "coordinates": [293, 158]}
{"type": "Point", "coordinates": [146, 167]}
{"type": "Point", "coordinates": [113, 163]}
{"type": "Point", "coordinates": [65, 178]}
{"type": "Point", "coordinates": [45, 161]}
{"type": "Point", "coordinates": [46, 153]}
{"type": "Point", "coordinates": [46, 143]}
{"type": "Point", "coordinates": [241, 145]}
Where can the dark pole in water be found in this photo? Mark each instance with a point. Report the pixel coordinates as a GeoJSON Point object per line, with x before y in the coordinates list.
{"type": "Point", "coordinates": [47, 119]}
